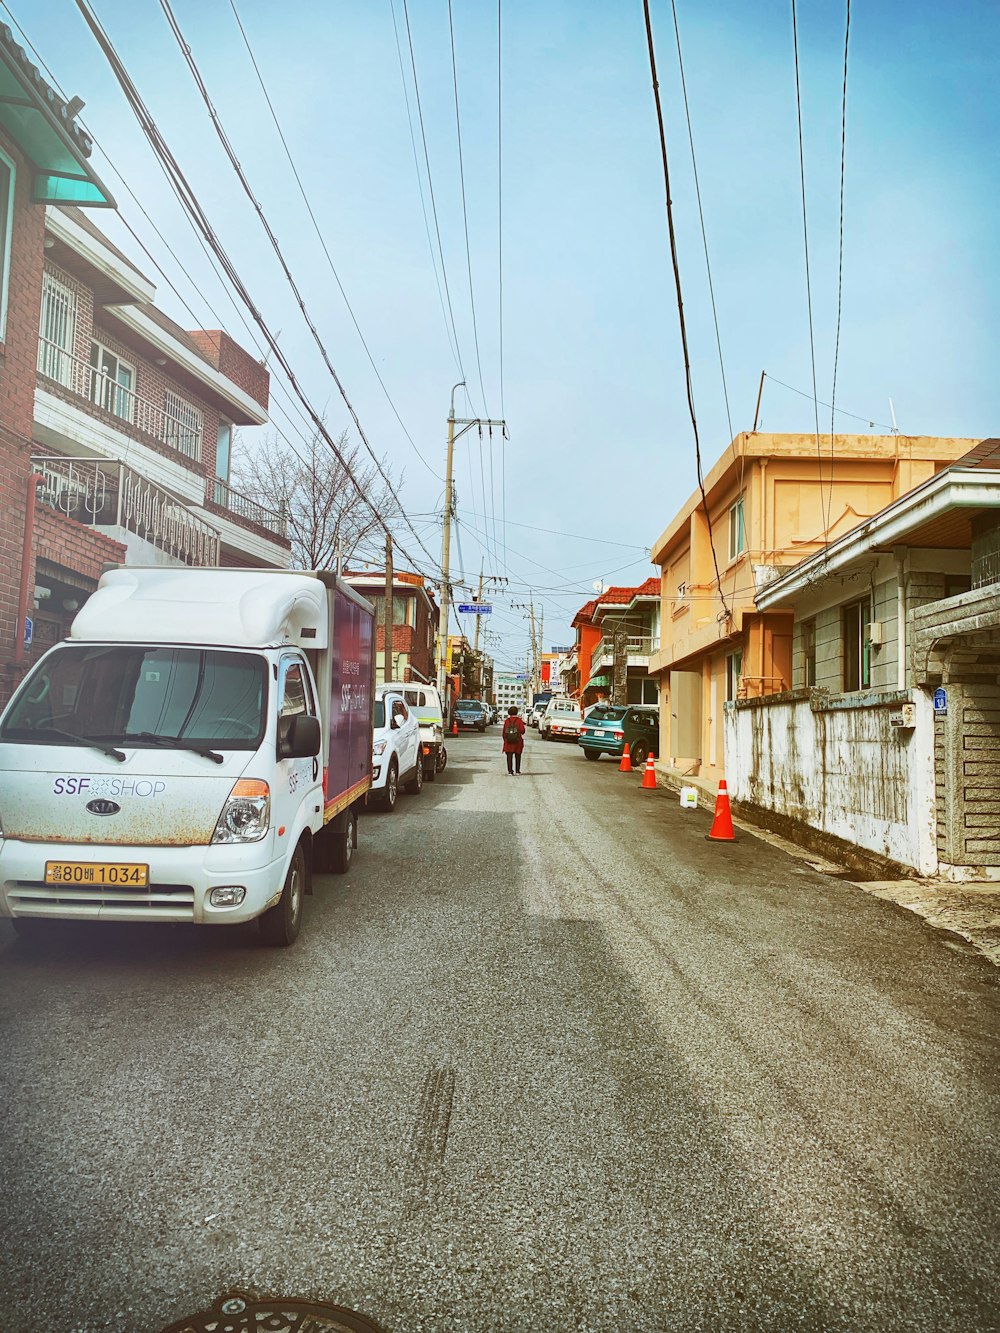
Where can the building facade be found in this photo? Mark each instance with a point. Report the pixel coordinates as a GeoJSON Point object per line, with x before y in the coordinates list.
{"type": "Point", "coordinates": [415, 617]}
{"type": "Point", "coordinates": [771, 503]}
{"type": "Point", "coordinates": [889, 738]}
{"type": "Point", "coordinates": [511, 689]}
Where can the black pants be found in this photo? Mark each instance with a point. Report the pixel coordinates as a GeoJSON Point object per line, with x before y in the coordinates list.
{"type": "Point", "coordinates": [513, 761]}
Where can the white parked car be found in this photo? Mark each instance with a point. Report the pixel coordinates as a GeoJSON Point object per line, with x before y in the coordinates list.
{"type": "Point", "coordinates": [397, 755]}
{"type": "Point", "coordinates": [562, 720]}
{"type": "Point", "coordinates": [424, 700]}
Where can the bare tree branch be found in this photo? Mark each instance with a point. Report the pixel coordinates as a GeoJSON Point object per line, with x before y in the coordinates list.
{"type": "Point", "coordinates": [323, 507]}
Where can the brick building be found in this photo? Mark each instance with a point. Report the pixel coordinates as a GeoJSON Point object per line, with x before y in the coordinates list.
{"type": "Point", "coordinates": [115, 424]}
{"type": "Point", "coordinates": [415, 616]}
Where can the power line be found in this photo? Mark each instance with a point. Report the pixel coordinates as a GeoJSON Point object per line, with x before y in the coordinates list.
{"type": "Point", "coordinates": [320, 237]}
{"type": "Point", "coordinates": [430, 183]}
{"type": "Point", "coordinates": [195, 210]}
{"type": "Point", "coordinates": [465, 211]}
{"type": "Point", "coordinates": [805, 242]}
{"type": "Point", "coordinates": [503, 414]}
{"type": "Point", "coordinates": [839, 410]}
{"type": "Point", "coordinates": [272, 238]}
{"type": "Point", "coordinates": [420, 188]}
{"type": "Point", "coordinates": [680, 303]}
{"type": "Point", "coordinates": [840, 247]}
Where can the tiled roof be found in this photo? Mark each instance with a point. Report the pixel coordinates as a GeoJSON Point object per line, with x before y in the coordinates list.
{"type": "Point", "coordinates": [622, 596]}
{"type": "Point", "coordinates": [59, 108]}
{"type": "Point", "coordinates": [985, 454]}
{"type": "Point", "coordinates": [585, 613]}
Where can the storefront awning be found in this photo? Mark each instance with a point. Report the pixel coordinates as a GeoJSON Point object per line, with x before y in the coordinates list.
{"type": "Point", "coordinates": [598, 683]}
{"type": "Point", "coordinates": [45, 130]}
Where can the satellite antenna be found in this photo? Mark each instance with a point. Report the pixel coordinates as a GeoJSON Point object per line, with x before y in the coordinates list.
{"type": "Point", "coordinates": [598, 585]}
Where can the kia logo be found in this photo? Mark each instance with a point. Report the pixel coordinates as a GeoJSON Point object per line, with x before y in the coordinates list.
{"type": "Point", "coordinates": [103, 807]}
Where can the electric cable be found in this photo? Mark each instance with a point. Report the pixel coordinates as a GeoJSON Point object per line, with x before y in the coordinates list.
{"type": "Point", "coordinates": [841, 412]}
{"type": "Point", "coordinates": [680, 304]}
{"type": "Point", "coordinates": [503, 414]}
{"type": "Point", "coordinates": [805, 242]}
{"type": "Point", "coordinates": [430, 182]}
{"type": "Point", "coordinates": [322, 240]}
{"type": "Point", "coordinates": [840, 245]}
{"type": "Point", "coordinates": [194, 208]}
{"type": "Point", "coordinates": [420, 188]}
{"type": "Point", "coordinates": [272, 238]}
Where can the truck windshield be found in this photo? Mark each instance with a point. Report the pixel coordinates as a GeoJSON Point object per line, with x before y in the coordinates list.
{"type": "Point", "coordinates": [142, 696]}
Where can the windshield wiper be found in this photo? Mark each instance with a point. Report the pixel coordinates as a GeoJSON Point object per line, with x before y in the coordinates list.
{"type": "Point", "coordinates": [73, 736]}
{"type": "Point", "coordinates": [175, 743]}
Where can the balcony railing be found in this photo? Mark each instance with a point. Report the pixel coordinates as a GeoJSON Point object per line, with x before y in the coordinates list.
{"type": "Point", "coordinates": [636, 645]}
{"type": "Point", "coordinates": [80, 377]}
{"type": "Point", "coordinates": [105, 494]}
{"type": "Point", "coordinates": [243, 507]}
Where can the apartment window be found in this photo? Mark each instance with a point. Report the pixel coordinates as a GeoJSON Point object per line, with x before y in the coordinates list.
{"type": "Point", "coordinates": [112, 382]}
{"type": "Point", "coordinates": [56, 330]}
{"type": "Point", "coordinates": [182, 425]}
{"type": "Point", "coordinates": [737, 530]}
{"type": "Point", "coordinates": [809, 652]}
{"type": "Point", "coordinates": [857, 650]}
{"type": "Point", "coordinates": [6, 224]}
{"type": "Point", "coordinates": [734, 670]}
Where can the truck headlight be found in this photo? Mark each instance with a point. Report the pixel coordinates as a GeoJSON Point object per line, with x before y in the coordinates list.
{"type": "Point", "coordinates": [246, 814]}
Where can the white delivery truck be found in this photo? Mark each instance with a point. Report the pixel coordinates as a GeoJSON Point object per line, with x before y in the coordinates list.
{"type": "Point", "coordinates": [193, 752]}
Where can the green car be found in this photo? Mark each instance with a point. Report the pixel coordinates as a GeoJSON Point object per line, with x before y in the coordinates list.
{"type": "Point", "coordinates": [606, 729]}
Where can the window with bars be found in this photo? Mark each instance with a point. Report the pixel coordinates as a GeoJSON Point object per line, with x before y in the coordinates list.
{"type": "Point", "coordinates": [182, 425]}
{"type": "Point", "coordinates": [112, 382]}
{"type": "Point", "coordinates": [57, 329]}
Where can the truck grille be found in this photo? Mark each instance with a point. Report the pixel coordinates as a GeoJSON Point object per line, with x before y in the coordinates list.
{"type": "Point", "coordinates": [167, 902]}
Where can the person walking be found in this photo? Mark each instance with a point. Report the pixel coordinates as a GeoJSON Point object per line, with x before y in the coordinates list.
{"type": "Point", "coordinates": [513, 740]}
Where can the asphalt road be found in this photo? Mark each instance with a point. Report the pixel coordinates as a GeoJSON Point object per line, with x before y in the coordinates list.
{"type": "Point", "coordinates": [545, 1059]}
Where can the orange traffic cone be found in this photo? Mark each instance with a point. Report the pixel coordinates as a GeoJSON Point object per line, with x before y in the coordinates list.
{"type": "Point", "coordinates": [722, 824]}
{"type": "Point", "coordinates": [454, 725]}
{"type": "Point", "coordinates": [649, 774]}
{"type": "Point", "coordinates": [626, 764]}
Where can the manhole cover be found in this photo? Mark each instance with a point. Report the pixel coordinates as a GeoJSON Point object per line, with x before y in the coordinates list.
{"type": "Point", "coordinates": [240, 1312]}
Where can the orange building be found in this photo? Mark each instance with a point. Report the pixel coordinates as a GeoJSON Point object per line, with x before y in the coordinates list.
{"type": "Point", "coordinates": [772, 501]}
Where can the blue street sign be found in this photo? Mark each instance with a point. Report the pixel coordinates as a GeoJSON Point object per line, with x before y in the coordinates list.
{"type": "Point", "coordinates": [29, 630]}
{"type": "Point", "coordinates": [940, 701]}
{"type": "Point", "coordinates": [475, 609]}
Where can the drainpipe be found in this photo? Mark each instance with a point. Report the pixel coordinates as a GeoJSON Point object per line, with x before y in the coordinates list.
{"type": "Point", "coordinates": [34, 481]}
{"type": "Point", "coordinates": [901, 580]}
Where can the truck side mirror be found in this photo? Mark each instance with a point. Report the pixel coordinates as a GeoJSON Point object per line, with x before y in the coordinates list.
{"type": "Point", "coordinates": [299, 737]}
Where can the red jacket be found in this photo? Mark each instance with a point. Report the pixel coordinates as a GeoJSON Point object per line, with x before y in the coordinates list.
{"type": "Point", "coordinates": [510, 747]}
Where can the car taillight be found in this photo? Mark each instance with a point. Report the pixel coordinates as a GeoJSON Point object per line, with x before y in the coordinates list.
{"type": "Point", "coordinates": [618, 735]}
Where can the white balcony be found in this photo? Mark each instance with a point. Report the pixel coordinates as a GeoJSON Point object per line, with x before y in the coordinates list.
{"type": "Point", "coordinates": [110, 497]}
{"type": "Point", "coordinates": [638, 648]}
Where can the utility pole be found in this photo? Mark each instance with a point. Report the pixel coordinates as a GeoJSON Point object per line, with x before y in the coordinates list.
{"type": "Point", "coordinates": [479, 598]}
{"type": "Point", "coordinates": [466, 423]}
{"type": "Point", "coordinates": [387, 645]}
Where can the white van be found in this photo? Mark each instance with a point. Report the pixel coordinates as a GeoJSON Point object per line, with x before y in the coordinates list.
{"type": "Point", "coordinates": [425, 701]}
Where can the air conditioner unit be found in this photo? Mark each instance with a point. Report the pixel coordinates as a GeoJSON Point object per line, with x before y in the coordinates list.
{"type": "Point", "coordinates": [873, 633]}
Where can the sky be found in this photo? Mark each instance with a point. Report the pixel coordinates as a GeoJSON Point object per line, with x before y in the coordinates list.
{"type": "Point", "coordinates": [600, 448]}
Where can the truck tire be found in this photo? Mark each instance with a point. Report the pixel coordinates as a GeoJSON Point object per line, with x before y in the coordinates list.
{"type": "Point", "coordinates": [416, 784]}
{"type": "Point", "coordinates": [391, 789]}
{"type": "Point", "coordinates": [280, 924]}
{"type": "Point", "coordinates": [345, 835]}
{"type": "Point", "coordinates": [442, 759]}
{"type": "Point", "coordinates": [430, 772]}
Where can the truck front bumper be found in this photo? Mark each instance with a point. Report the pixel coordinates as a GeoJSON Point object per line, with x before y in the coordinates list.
{"type": "Point", "coordinates": [181, 880]}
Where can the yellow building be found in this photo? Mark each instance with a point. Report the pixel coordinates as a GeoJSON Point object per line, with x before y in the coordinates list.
{"type": "Point", "coordinates": [772, 501]}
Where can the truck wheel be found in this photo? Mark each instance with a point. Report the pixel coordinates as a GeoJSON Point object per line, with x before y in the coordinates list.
{"type": "Point", "coordinates": [391, 789]}
{"type": "Point", "coordinates": [280, 924]}
{"type": "Point", "coordinates": [344, 839]}
{"type": "Point", "coordinates": [430, 772]}
{"type": "Point", "coordinates": [442, 759]}
{"type": "Point", "coordinates": [416, 784]}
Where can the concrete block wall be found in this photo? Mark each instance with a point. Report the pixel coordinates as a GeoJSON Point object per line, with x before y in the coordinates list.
{"type": "Point", "coordinates": [885, 659]}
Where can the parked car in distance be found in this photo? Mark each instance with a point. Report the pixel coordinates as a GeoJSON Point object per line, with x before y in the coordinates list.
{"type": "Point", "coordinates": [561, 721]}
{"type": "Point", "coordinates": [606, 730]}
{"type": "Point", "coordinates": [397, 756]}
{"type": "Point", "coordinates": [535, 713]}
{"type": "Point", "coordinates": [424, 700]}
{"type": "Point", "coordinates": [471, 715]}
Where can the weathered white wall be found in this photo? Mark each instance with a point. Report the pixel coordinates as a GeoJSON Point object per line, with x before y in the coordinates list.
{"type": "Point", "coordinates": [838, 765]}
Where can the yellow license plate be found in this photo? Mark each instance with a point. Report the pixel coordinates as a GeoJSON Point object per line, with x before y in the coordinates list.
{"type": "Point", "coordinates": [114, 874]}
